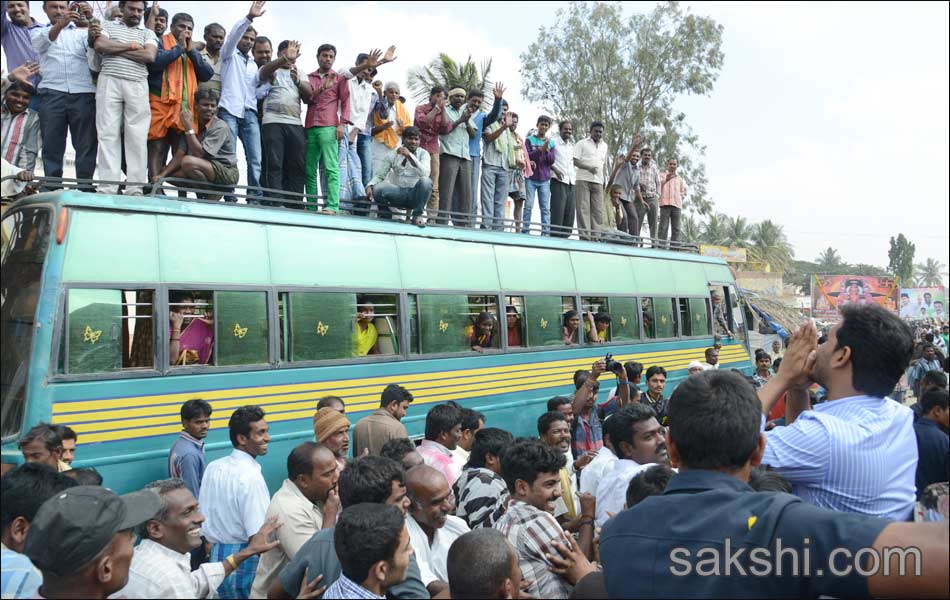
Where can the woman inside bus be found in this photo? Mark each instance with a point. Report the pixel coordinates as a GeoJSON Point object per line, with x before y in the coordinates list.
{"type": "Point", "coordinates": [572, 323]}
{"type": "Point", "coordinates": [483, 333]}
{"type": "Point", "coordinates": [514, 326]}
{"type": "Point", "coordinates": [191, 343]}
{"type": "Point", "coordinates": [365, 336]}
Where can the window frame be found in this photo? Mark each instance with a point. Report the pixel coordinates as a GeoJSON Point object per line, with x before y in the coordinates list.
{"type": "Point", "coordinates": [523, 349]}
{"type": "Point", "coordinates": [678, 329]}
{"type": "Point", "coordinates": [503, 339]}
{"type": "Point", "coordinates": [640, 338]}
{"type": "Point", "coordinates": [709, 316]}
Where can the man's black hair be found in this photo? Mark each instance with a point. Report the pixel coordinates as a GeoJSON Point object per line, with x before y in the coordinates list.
{"type": "Point", "coordinates": [649, 482]}
{"type": "Point", "coordinates": [471, 419]}
{"type": "Point", "coordinates": [475, 93]}
{"type": "Point", "coordinates": [596, 124]}
{"type": "Point", "coordinates": [148, 9]}
{"type": "Point", "coordinates": [241, 419]}
{"type": "Point", "coordinates": [548, 419]}
{"type": "Point", "coordinates": [262, 39]}
{"type": "Point", "coordinates": [397, 448]}
{"type": "Point", "coordinates": [881, 347]}
{"type": "Point", "coordinates": [85, 476]}
{"type": "Point", "coordinates": [714, 420]}
{"type": "Point", "coordinates": [65, 432]}
{"type": "Point", "coordinates": [903, 295]}
{"type": "Point", "coordinates": [26, 488]}
{"type": "Point", "coordinates": [478, 563]}
{"type": "Point", "coordinates": [182, 17]}
{"type": "Point", "coordinates": [366, 534]}
{"type": "Point", "coordinates": [562, 123]}
{"type": "Point", "coordinates": [368, 479]}
{"type": "Point", "coordinates": [544, 119]}
{"type": "Point", "coordinates": [442, 418]}
{"type": "Point", "coordinates": [602, 317]}
{"type": "Point", "coordinates": [45, 433]}
{"type": "Point", "coordinates": [411, 131]}
{"type": "Point", "coordinates": [436, 89]}
{"type": "Point", "coordinates": [634, 369]}
{"type": "Point", "coordinates": [934, 378]}
{"type": "Point", "coordinates": [525, 459]}
{"type": "Point", "coordinates": [620, 425]}
{"type": "Point", "coordinates": [283, 46]}
{"type": "Point", "coordinates": [764, 479]}
{"type": "Point", "coordinates": [557, 401]}
{"type": "Point", "coordinates": [194, 408]}
{"type": "Point", "coordinates": [20, 86]}
{"type": "Point", "coordinates": [329, 402]}
{"type": "Point", "coordinates": [212, 26]}
{"type": "Point", "coordinates": [708, 351]}
{"type": "Point", "coordinates": [300, 460]}
{"type": "Point", "coordinates": [489, 440]}
{"type": "Point", "coordinates": [394, 393]}
{"type": "Point", "coordinates": [933, 398]}
{"type": "Point", "coordinates": [206, 94]}
{"type": "Point", "coordinates": [654, 370]}
{"type": "Point", "coordinates": [324, 47]}
{"type": "Point", "coordinates": [579, 377]}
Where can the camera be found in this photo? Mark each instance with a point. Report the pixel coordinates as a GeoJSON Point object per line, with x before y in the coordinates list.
{"type": "Point", "coordinates": [613, 366]}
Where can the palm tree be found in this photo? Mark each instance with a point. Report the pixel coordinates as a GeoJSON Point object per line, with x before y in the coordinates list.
{"type": "Point", "coordinates": [930, 273]}
{"type": "Point", "coordinates": [769, 245]}
{"type": "Point", "coordinates": [449, 73]}
{"type": "Point", "coordinates": [829, 261]}
{"type": "Point", "coordinates": [715, 229]}
{"type": "Point", "coordinates": [738, 232]}
{"type": "Point", "coordinates": [692, 230]}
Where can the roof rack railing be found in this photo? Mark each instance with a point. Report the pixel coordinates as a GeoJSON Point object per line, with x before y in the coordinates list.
{"type": "Point", "coordinates": [259, 197]}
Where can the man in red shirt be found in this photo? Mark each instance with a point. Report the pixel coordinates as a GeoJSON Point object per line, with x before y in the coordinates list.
{"type": "Point", "coordinates": [328, 111]}
{"type": "Point", "coordinates": [431, 120]}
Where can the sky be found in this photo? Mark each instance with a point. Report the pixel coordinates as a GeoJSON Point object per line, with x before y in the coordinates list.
{"type": "Point", "coordinates": [828, 118]}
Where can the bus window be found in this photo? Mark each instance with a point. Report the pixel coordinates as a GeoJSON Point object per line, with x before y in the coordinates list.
{"type": "Point", "coordinates": [514, 320]}
{"type": "Point", "coordinates": [664, 313]}
{"type": "Point", "coordinates": [649, 318]}
{"type": "Point", "coordinates": [484, 333]}
{"type": "Point", "coordinates": [107, 331]}
{"type": "Point", "coordinates": [319, 325]}
{"type": "Point", "coordinates": [25, 240]}
{"type": "Point", "coordinates": [683, 314]}
{"type": "Point", "coordinates": [240, 320]}
{"type": "Point", "coordinates": [698, 317]}
{"type": "Point", "coordinates": [544, 319]}
{"type": "Point", "coordinates": [191, 328]}
{"type": "Point", "coordinates": [596, 319]}
{"type": "Point", "coordinates": [625, 323]}
{"type": "Point", "coordinates": [447, 323]}
{"type": "Point", "coordinates": [376, 325]}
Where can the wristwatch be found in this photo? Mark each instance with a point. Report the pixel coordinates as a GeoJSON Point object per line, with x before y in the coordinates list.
{"type": "Point", "coordinates": [190, 132]}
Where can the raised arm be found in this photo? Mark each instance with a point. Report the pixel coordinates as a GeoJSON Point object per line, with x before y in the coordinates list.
{"type": "Point", "coordinates": [585, 391]}
{"type": "Point", "coordinates": [234, 36]}
{"type": "Point", "coordinates": [266, 73]}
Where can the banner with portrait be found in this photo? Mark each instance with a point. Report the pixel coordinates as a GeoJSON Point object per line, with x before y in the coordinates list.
{"type": "Point", "coordinates": [831, 292]}
{"type": "Point", "coordinates": [924, 303]}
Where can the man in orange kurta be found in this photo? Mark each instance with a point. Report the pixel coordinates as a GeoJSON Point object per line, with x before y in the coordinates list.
{"type": "Point", "coordinates": [172, 82]}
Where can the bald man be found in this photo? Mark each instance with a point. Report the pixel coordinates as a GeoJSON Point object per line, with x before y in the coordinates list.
{"type": "Point", "coordinates": [431, 528]}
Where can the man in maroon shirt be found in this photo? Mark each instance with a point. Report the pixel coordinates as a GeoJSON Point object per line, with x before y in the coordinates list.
{"type": "Point", "coordinates": [432, 121]}
{"type": "Point", "coordinates": [328, 111]}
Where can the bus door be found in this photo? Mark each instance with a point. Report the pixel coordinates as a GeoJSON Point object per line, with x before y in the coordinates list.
{"type": "Point", "coordinates": [729, 313]}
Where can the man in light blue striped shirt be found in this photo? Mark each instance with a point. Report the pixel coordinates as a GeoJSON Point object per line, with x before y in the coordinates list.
{"type": "Point", "coordinates": [857, 451]}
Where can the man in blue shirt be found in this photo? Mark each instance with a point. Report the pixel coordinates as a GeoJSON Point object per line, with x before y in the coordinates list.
{"type": "Point", "coordinates": [711, 535]}
{"type": "Point", "coordinates": [856, 452]}
{"type": "Point", "coordinates": [186, 460]}
{"type": "Point", "coordinates": [933, 443]}
{"type": "Point", "coordinates": [24, 490]}
{"type": "Point", "coordinates": [926, 363]}
{"type": "Point", "coordinates": [476, 125]}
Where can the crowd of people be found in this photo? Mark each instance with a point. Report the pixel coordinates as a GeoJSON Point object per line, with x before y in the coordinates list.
{"type": "Point", "coordinates": [610, 498]}
{"type": "Point", "coordinates": [145, 102]}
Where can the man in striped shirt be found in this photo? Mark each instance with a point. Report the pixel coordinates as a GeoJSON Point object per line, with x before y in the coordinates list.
{"type": "Point", "coordinates": [857, 451]}
{"type": "Point", "coordinates": [122, 99]}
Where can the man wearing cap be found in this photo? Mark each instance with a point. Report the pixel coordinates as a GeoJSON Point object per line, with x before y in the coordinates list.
{"type": "Point", "coordinates": [161, 565]}
{"type": "Point", "coordinates": [695, 367]}
{"type": "Point", "coordinates": [82, 540]}
{"type": "Point", "coordinates": [385, 423]}
{"type": "Point", "coordinates": [234, 498]}
{"type": "Point", "coordinates": [332, 429]}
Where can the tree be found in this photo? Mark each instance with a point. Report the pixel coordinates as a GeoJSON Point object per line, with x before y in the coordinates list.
{"type": "Point", "coordinates": [829, 261]}
{"type": "Point", "coordinates": [449, 73]}
{"type": "Point", "coordinates": [800, 273]}
{"type": "Point", "coordinates": [597, 65]}
{"type": "Point", "coordinates": [692, 230]}
{"type": "Point", "coordinates": [715, 230]}
{"type": "Point", "coordinates": [900, 258]}
{"type": "Point", "coordinates": [769, 245]}
{"type": "Point", "coordinates": [738, 232]}
{"type": "Point", "coordinates": [930, 273]}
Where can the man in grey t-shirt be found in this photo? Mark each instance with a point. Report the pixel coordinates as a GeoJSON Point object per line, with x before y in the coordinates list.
{"type": "Point", "coordinates": [207, 156]}
{"type": "Point", "coordinates": [283, 142]}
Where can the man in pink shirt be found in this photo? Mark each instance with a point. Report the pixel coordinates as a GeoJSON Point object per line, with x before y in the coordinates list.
{"type": "Point", "coordinates": [431, 120]}
{"type": "Point", "coordinates": [443, 432]}
{"type": "Point", "coordinates": [672, 192]}
{"type": "Point", "coordinates": [328, 112]}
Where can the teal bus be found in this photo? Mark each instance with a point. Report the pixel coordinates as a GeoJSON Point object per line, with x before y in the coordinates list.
{"type": "Point", "coordinates": [90, 283]}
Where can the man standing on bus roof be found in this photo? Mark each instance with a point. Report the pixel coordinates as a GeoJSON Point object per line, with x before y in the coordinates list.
{"type": "Point", "coordinates": [234, 498]}
{"type": "Point", "coordinates": [590, 158]}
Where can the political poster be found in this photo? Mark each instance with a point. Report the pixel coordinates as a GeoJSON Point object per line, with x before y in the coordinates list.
{"type": "Point", "coordinates": [829, 293]}
{"type": "Point", "coordinates": [923, 303]}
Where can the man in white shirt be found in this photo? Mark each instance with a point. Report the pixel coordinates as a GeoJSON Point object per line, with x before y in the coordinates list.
{"type": "Point", "coordinates": [712, 359]}
{"type": "Point", "coordinates": [590, 158]}
{"type": "Point", "coordinates": [305, 503]}
{"type": "Point", "coordinates": [562, 184]}
{"type": "Point", "coordinates": [639, 441]}
{"type": "Point", "coordinates": [431, 528]}
{"type": "Point", "coordinates": [403, 178]}
{"type": "Point", "coordinates": [472, 422]}
{"type": "Point", "coordinates": [598, 468]}
{"type": "Point", "coordinates": [234, 497]}
{"type": "Point", "coordinates": [161, 565]}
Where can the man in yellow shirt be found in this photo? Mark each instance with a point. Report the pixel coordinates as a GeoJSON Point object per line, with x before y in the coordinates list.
{"type": "Point", "coordinates": [365, 335]}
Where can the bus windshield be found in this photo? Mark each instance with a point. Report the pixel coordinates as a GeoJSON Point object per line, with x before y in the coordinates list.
{"type": "Point", "coordinates": [26, 235]}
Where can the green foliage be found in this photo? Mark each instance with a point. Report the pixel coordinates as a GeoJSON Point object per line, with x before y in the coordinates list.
{"type": "Point", "coordinates": [596, 64]}
{"type": "Point", "coordinates": [929, 273]}
{"type": "Point", "coordinates": [900, 258]}
{"type": "Point", "coordinates": [830, 262]}
{"type": "Point", "coordinates": [769, 245]}
{"type": "Point", "coordinates": [449, 73]}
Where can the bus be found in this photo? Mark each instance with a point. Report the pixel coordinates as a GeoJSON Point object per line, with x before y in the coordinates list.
{"type": "Point", "coordinates": [91, 284]}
